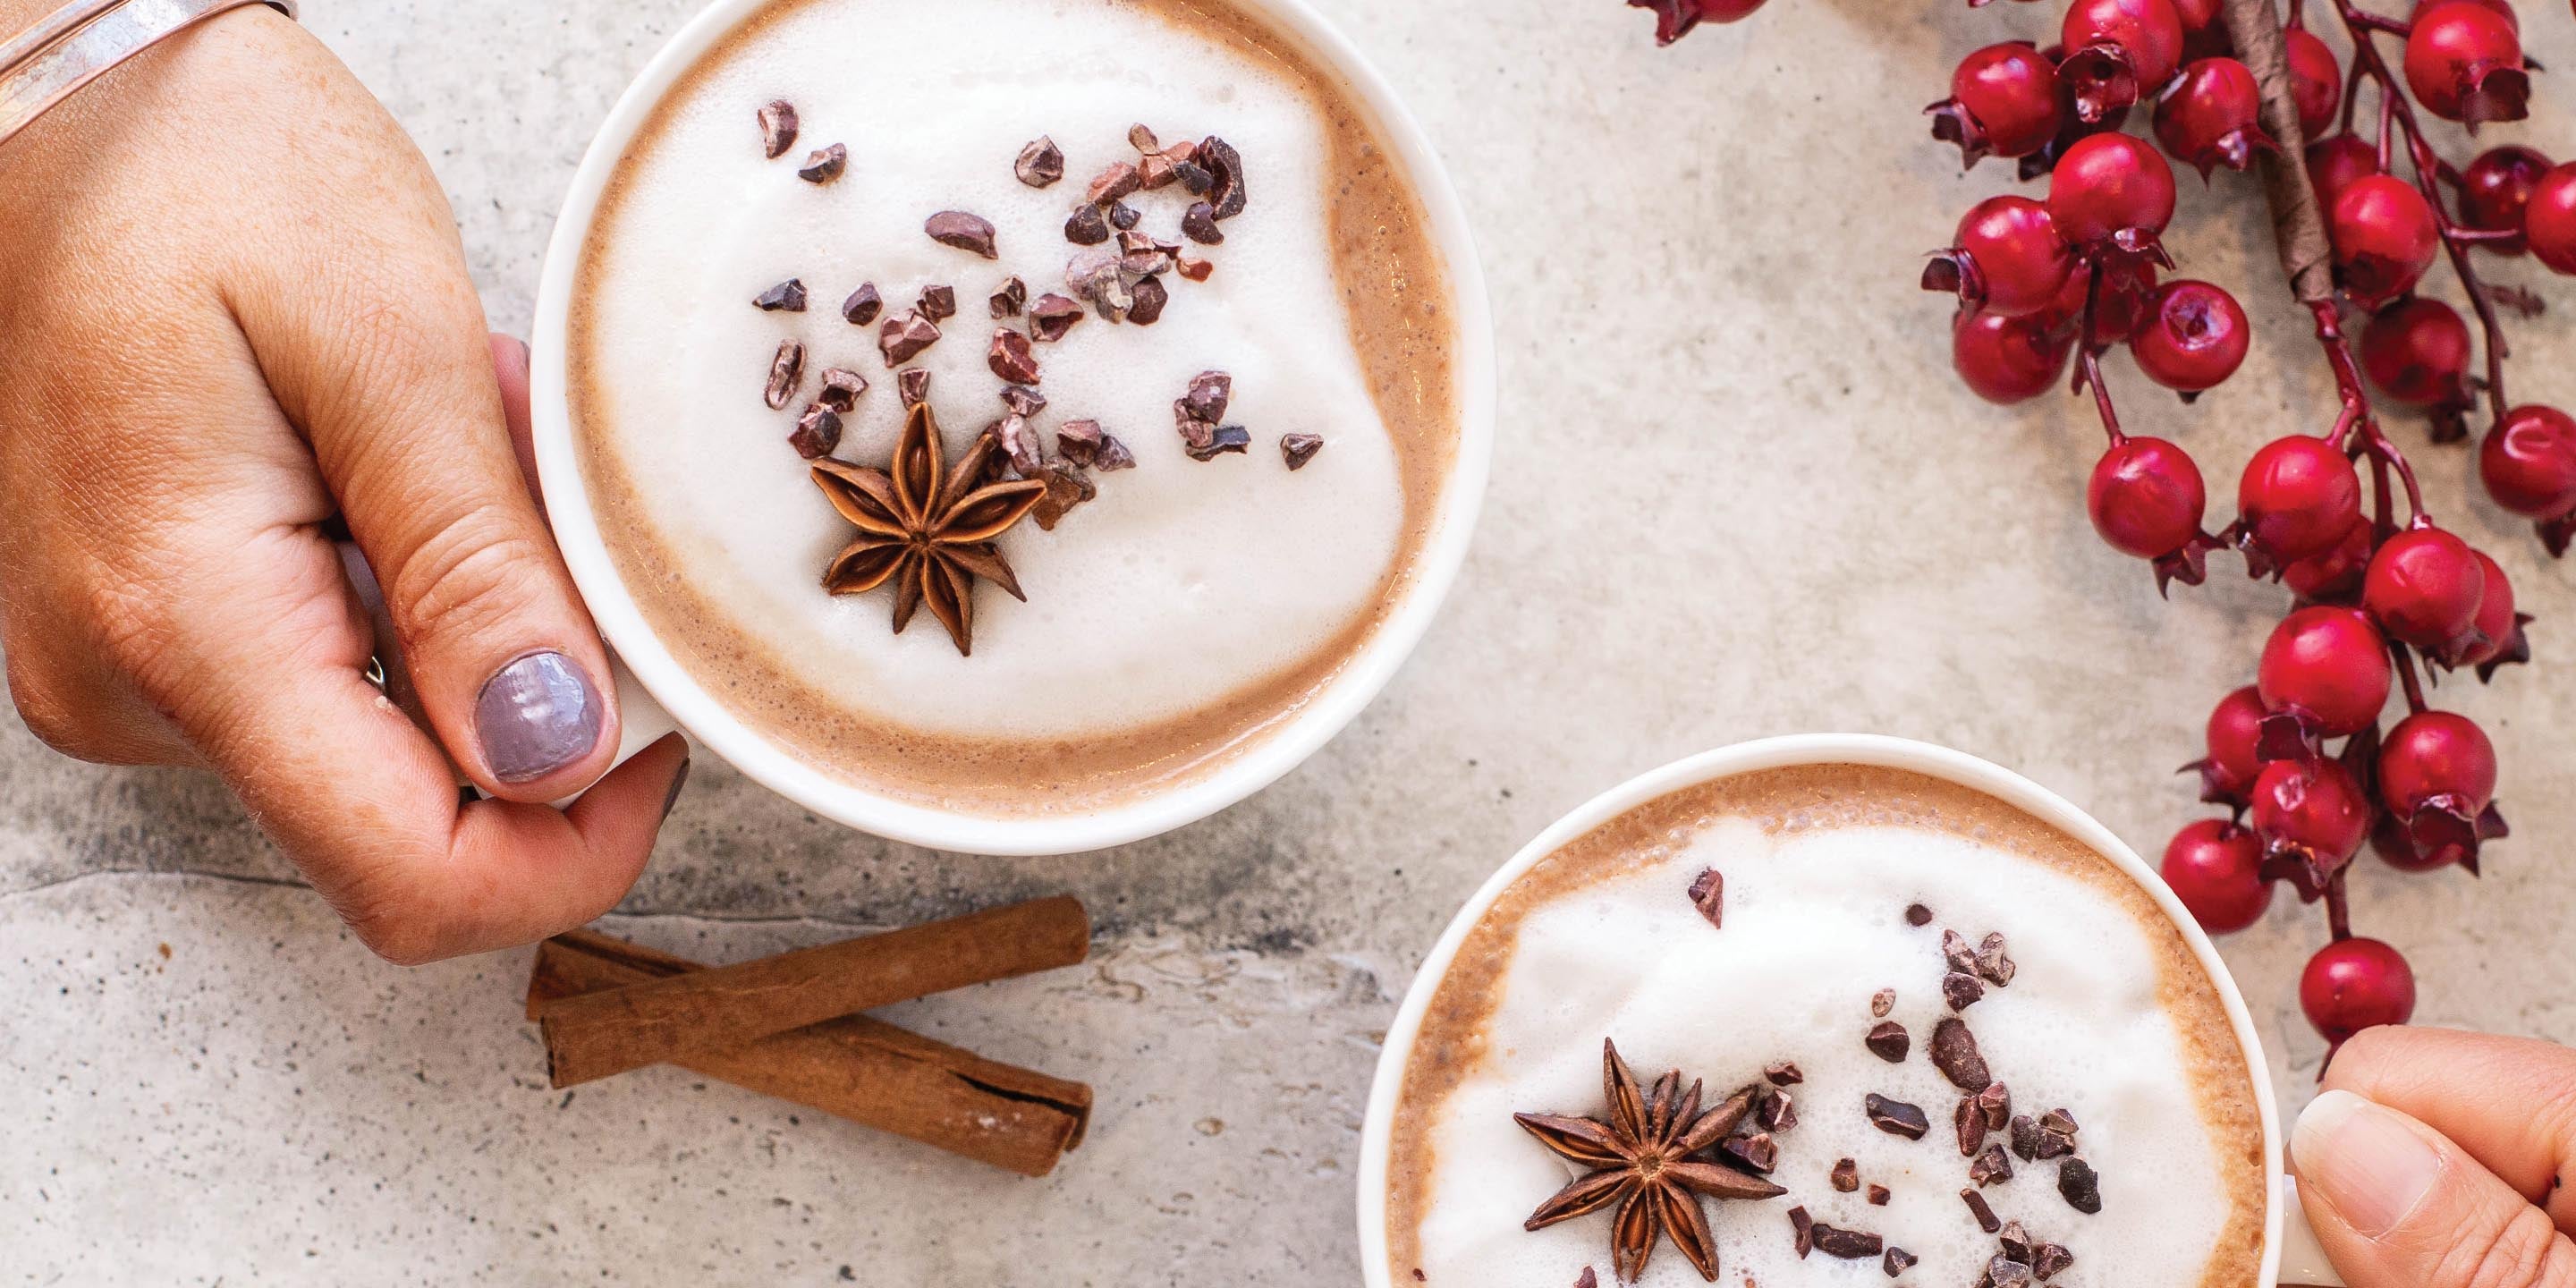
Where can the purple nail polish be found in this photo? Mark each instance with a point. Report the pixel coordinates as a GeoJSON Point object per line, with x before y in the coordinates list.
{"type": "Point", "coordinates": [539, 714]}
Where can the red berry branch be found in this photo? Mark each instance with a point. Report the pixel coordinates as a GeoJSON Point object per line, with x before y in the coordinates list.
{"type": "Point", "coordinates": [2386, 600]}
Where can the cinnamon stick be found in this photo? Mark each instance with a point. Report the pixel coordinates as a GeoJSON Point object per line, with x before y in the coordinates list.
{"type": "Point", "coordinates": [594, 1035]}
{"type": "Point", "coordinates": [858, 1068]}
{"type": "Point", "coordinates": [2298, 225]}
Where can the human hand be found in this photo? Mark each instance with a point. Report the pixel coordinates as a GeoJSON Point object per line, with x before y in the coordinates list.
{"type": "Point", "coordinates": [2436, 1159]}
{"type": "Point", "coordinates": [236, 308]}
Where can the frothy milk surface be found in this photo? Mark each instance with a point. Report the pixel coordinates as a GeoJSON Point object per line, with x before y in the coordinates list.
{"type": "Point", "coordinates": [1185, 586]}
{"type": "Point", "coordinates": [2107, 1017]}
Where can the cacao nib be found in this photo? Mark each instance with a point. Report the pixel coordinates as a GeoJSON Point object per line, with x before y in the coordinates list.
{"type": "Point", "coordinates": [2058, 1122]}
{"type": "Point", "coordinates": [786, 371]}
{"type": "Point", "coordinates": [904, 336]}
{"type": "Point", "coordinates": [863, 305]}
{"type": "Point", "coordinates": [1978, 1208]}
{"type": "Point", "coordinates": [1194, 177]}
{"type": "Point", "coordinates": [1019, 443]}
{"type": "Point", "coordinates": [1849, 1245]}
{"type": "Point", "coordinates": [1993, 965]}
{"type": "Point", "coordinates": [2004, 1272]}
{"type": "Point", "coordinates": [2049, 1260]}
{"type": "Point", "coordinates": [1114, 455]}
{"type": "Point", "coordinates": [912, 386]}
{"type": "Point", "coordinates": [1783, 1073]}
{"type": "Point", "coordinates": [938, 303]}
{"type": "Point", "coordinates": [1117, 183]}
{"type": "Point", "coordinates": [1079, 441]}
{"type": "Point", "coordinates": [786, 297]}
{"type": "Point", "coordinates": [1095, 275]}
{"type": "Point", "coordinates": [1196, 270]}
{"type": "Point", "coordinates": [1846, 1176]}
{"type": "Point", "coordinates": [1957, 954]}
{"type": "Point", "coordinates": [1994, 1167]}
{"type": "Point", "coordinates": [1970, 1124]}
{"type": "Point", "coordinates": [1226, 190]}
{"type": "Point", "coordinates": [818, 431]}
{"type": "Point", "coordinates": [1882, 1002]}
{"type": "Point", "coordinates": [1585, 1280]}
{"type": "Point", "coordinates": [1879, 1195]}
{"type": "Point", "coordinates": [1961, 991]}
{"type": "Point", "coordinates": [1010, 299]}
{"type": "Point", "coordinates": [1888, 1041]}
{"type": "Point", "coordinates": [1052, 316]}
{"type": "Point", "coordinates": [1802, 1231]}
{"type": "Point", "coordinates": [1707, 890]}
{"type": "Point", "coordinates": [1041, 163]}
{"type": "Point", "coordinates": [1211, 392]}
{"type": "Point", "coordinates": [1086, 226]}
{"type": "Point", "coordinates": [1151, 297]}
{"type": "Point", "coordinates": [1297, 449]}
{"type": "Point", "coordinates": [1199, 223]}
{"type": "Point", "coordinates": [1774, 1109]}
{"type": "Point", "coordinates": [1917, 915]}
{"type": "Point", "coordinates": [1124, 217]}
{"type": "Point", "coordinates": [841, 389]}
{"type": "Point", "coordinates": [1066, 487]}
{"type": "Point", "coordinates": [966, 232]}
{"type": "Point", "coordinates": [1898, 1261]}
{"type": "Point", "coordinates": [1895, 1117]}
{"type": "Point", "coordinates": [1023, 400]}
{"type": "Point", "coordinates": [1156, 171]}
{"type": "Point", "coordinates": [1227, 439]}
{"type": "Point", "coordinates": [2080, 1186]}
{"type": "Point", "coordinates": [2015, 1242]}
{"type": "Point", "coordinates": [1011, 357]}
{"type": "Point", "coordinates": [1995, 1102]}
{"type": "Point", "coordinates": [1954, 1053]}
{"type": "Point", "coordinates": [1757, 1152]}
{"type": "Point", "coordinates": [777, 128]}
{"type": "Point", "coordinates": [1142, 139]}
{"type": "Point", "coordinates": [824, 165]}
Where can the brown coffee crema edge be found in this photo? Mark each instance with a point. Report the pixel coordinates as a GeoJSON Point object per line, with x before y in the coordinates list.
{"type": "Point", "coordinates": [1452, 1044]}
{"type": "Point", "coordinates": [1395, 286]}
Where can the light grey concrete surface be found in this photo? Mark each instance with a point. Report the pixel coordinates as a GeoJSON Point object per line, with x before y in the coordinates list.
{"type": "Point", "coordinates": [1737, 493]}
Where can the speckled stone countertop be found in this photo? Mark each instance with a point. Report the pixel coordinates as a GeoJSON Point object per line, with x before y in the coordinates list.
{"type": "Point", "coordinates": [1736, 493]}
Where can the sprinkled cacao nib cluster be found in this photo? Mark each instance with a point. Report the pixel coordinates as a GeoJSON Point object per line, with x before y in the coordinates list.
{"type": "Point", "coordinates": [1117, 272]}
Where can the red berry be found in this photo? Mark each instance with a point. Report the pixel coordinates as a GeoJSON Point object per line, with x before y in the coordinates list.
{"type": "Point", "coordinates": [2330, 664]}
{"type": "Point", "coordinates": [2146, 498]}
{"type": "Point", "coordinates": [2464, 63]}
{"type": "Point", "coordinates": [2008, 259]}
{"type": "Point", "coordinates": [2216, 869]}
{"type": "Point", "coordinates": [2500, 8]}
{"type": "Point", "coordinates": [2417, 352]}
{"type": "Point", "coordinates": [2529, 462]}
{"type": "Point", "coordinates": [2495, 191]}
{"type": "Point", "coordinates": [2194, 338]}
{"type": "Point", "coordinates": [2299, 496]}
{"type": "Point", "coordinates": [2424, 588]}
{"type": "Point", "coordinates": [2212, 116]}
{"type": "Point", "coordinates": [2233, 737]}
{"type": "Point", "coordinates": [2334, 163]}
{"type": "Point", "coordinates": [2499, 630]}
{"type": "Point", "coordinates": [2318, 811]}
{"type": "Point", "coordinates": [2437, 758]}
{"type": "Point", "coordinates": [2549, 221]}
{"type": "Point", "coordinates": [2007, 360]}
{"type": "Point", "coordinates": [2003, 101]}
{"type": "Point", "coordinates": [2317, 79]}
{"type": "Point", "coordinates": [2356, 984]}
{"type": "Point", "coordinates": [2117, 51]}
{"type": "Point", "coordinates": [2384, 237]}
{"type": "Point", "coordinates": [2108, 183]}
{"type": "Point", "coordinates": [2394, 843]}
{"type": "Point", "coordinates": [2335, 576]}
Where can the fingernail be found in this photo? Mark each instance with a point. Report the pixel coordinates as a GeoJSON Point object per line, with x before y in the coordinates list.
{"type": "Point", "coordinates": [2368, 1162]}
{"type": "Point", "coordinates": [678, 781]}
{"type": "Point", "coordinates": [538, 715]}
{"type": "Point", "coordinates": [513, 351]}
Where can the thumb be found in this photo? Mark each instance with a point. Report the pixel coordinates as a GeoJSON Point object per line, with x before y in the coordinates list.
{"type": "Point", "coordinates": [2398, 1205]}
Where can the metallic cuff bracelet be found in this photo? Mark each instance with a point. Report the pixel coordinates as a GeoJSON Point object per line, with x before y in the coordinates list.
{"type": "Point", "coordinates": [79, 42]}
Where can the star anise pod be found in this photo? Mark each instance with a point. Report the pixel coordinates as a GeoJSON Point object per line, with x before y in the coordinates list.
{"type": "Point", "coordinates": [1640, 1160]}
{"type": "Point", "coordinates": [926, 526]}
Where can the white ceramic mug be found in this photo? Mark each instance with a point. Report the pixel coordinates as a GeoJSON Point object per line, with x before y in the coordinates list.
{"type": "Point", "coordinates": [2290, 1252]}
{"type": "Point", "coordinates": [666, 687]}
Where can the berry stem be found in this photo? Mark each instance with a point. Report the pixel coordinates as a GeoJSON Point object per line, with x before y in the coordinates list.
{"type": "Point", "coordinates": [2404, 657]}
{"type": "Point", "coordinates": [2338, 907]}
{"type": "Point", "coordinates": [2396, 109]}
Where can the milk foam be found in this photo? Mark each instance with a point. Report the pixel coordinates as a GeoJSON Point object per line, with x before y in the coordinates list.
{"type": "Point", "coordinates": [1184, 581]}
{"type": "Point", "coordinates": [1814, 925]}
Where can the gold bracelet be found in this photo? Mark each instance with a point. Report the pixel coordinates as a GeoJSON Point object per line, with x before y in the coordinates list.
{"type": "Point", "coordinates": [79, 42]}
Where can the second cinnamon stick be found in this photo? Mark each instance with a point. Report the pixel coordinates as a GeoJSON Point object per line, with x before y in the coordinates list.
{"type": "Point", "coordinates": [594, 1035]}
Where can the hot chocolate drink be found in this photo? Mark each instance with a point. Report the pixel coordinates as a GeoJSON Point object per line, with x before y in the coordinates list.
{"type": "Point", "coordinates": [1160, 290]}
{"type": "Point", "coordinates": [1919, 1035]}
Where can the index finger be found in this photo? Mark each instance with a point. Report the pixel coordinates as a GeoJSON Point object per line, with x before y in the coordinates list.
{"type": "Point", "coordinates": [2509, 1102]}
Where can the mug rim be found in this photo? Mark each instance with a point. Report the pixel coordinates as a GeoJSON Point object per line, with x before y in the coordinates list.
{"type": "Point", "coordinates": [1792, 751]}
{"type": "Point", "coordinates": [1302, 729]}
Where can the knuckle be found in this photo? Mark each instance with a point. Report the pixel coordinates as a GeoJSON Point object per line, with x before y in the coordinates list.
{"type": "Point", "coordinates": [2527, 1251]}
{"type": "Point", "coordinates": [473, 572]}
